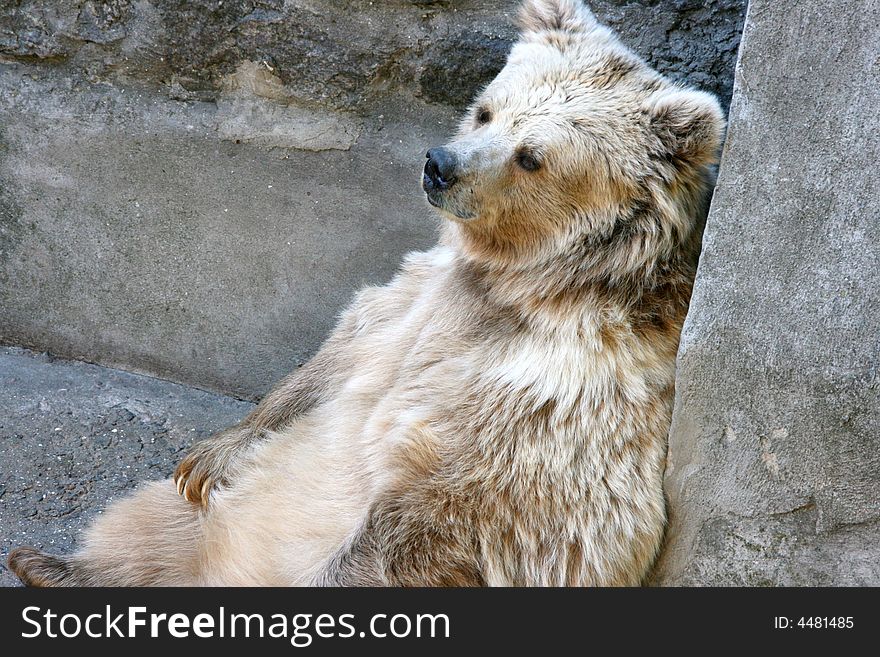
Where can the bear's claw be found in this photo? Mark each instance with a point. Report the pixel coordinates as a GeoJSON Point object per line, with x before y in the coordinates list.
{"type": "Point", "coordinates": [201, 471]}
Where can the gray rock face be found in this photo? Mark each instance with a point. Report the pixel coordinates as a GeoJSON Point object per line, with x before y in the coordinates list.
{"type": "Point", "coordinates": [194, 189]}
{"type": "Point", "coordinates": [774, 455]}
{"type": "Point", "coordinates": [442, 50]}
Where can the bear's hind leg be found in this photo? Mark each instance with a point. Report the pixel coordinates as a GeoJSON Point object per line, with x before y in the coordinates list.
{"type": "Point", "coordinates": [151, 538]}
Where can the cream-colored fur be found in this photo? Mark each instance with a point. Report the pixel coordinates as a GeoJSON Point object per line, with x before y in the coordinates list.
{"type": "Point", "coordinates": [497, 414]}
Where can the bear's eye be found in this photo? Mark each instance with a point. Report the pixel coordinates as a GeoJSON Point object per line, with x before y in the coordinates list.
{"type": "Point", "coordinates": [527, 161]}
{"type": "Point", "coordinates": [483, 116]}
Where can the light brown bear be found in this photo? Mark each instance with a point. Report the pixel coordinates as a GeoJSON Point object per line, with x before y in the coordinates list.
{"type": "Point", "coordinates": [497, 414]}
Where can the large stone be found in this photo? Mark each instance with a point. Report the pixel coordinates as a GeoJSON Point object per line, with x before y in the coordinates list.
{"type": "Point", "coordinates": [194, 189]}
{"type": "Point", "coordinates": [774, 457]}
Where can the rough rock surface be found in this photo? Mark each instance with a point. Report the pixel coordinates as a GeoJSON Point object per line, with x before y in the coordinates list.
{"type": "Point", "coordinates": [74, 436]}
{"type": "Point", "coordinates": [441, 50]}
{"type": "Point", "coordinates": [774, 455]}
{"type": "Point", "coordinates": [194, 189]}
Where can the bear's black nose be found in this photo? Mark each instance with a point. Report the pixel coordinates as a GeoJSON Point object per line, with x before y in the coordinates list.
{"type": "Point", "coordinates": [439, 169]}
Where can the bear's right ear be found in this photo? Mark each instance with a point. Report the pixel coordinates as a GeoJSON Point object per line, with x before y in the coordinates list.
{"type": "Point", "coordinates": [688, 123]}
{"type": "Point", "coordinates": [570, 16]}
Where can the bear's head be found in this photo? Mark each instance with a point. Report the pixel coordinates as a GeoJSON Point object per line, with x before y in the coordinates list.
{"type": "Point", "coordinates": [577, 149]}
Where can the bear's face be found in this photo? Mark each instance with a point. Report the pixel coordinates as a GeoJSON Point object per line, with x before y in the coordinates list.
{"type": "Point", "coordinates": [572, 133]}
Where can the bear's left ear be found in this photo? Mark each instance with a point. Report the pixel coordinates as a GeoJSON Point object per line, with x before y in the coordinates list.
{"type": "Point", "coordinates": [571, 16]}
{"type": "Point", "coordinates": [688, 123]}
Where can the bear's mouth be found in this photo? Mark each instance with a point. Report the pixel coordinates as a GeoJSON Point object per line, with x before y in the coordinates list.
{"type": "Point", "coordinates": [433, 198]}
{"type": "Point", "coordinates": [440, 200]}
{"type": "Point", "coordinates": [437, 200]}
{"type": "Point", "coordinates": [433, 193]}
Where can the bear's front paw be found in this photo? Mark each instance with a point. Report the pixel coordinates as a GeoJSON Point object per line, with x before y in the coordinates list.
{"type": "Point", "coordinates": [204, 468]}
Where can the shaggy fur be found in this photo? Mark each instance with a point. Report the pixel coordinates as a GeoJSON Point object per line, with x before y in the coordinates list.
{"type": "Point", "coordinates": [497, 414]}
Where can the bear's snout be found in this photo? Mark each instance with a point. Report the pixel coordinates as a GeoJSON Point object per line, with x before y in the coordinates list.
{"type": "Point", "coordinates": [439, 170]}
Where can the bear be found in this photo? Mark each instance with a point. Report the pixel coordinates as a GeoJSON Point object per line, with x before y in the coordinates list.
{"type": "Point", "coordinates": [497, 414]}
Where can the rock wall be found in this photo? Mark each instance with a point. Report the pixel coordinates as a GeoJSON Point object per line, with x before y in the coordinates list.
{"type": "Point", "coordinates": [774, 456]}
{"type": "Point", "coordinates": [194, 189]}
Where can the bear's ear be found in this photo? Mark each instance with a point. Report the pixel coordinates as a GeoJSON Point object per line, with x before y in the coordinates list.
{"type": "Point", "coordinates": [688, 123]}
{"type": "Point", "coordinates": [570, 16]}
